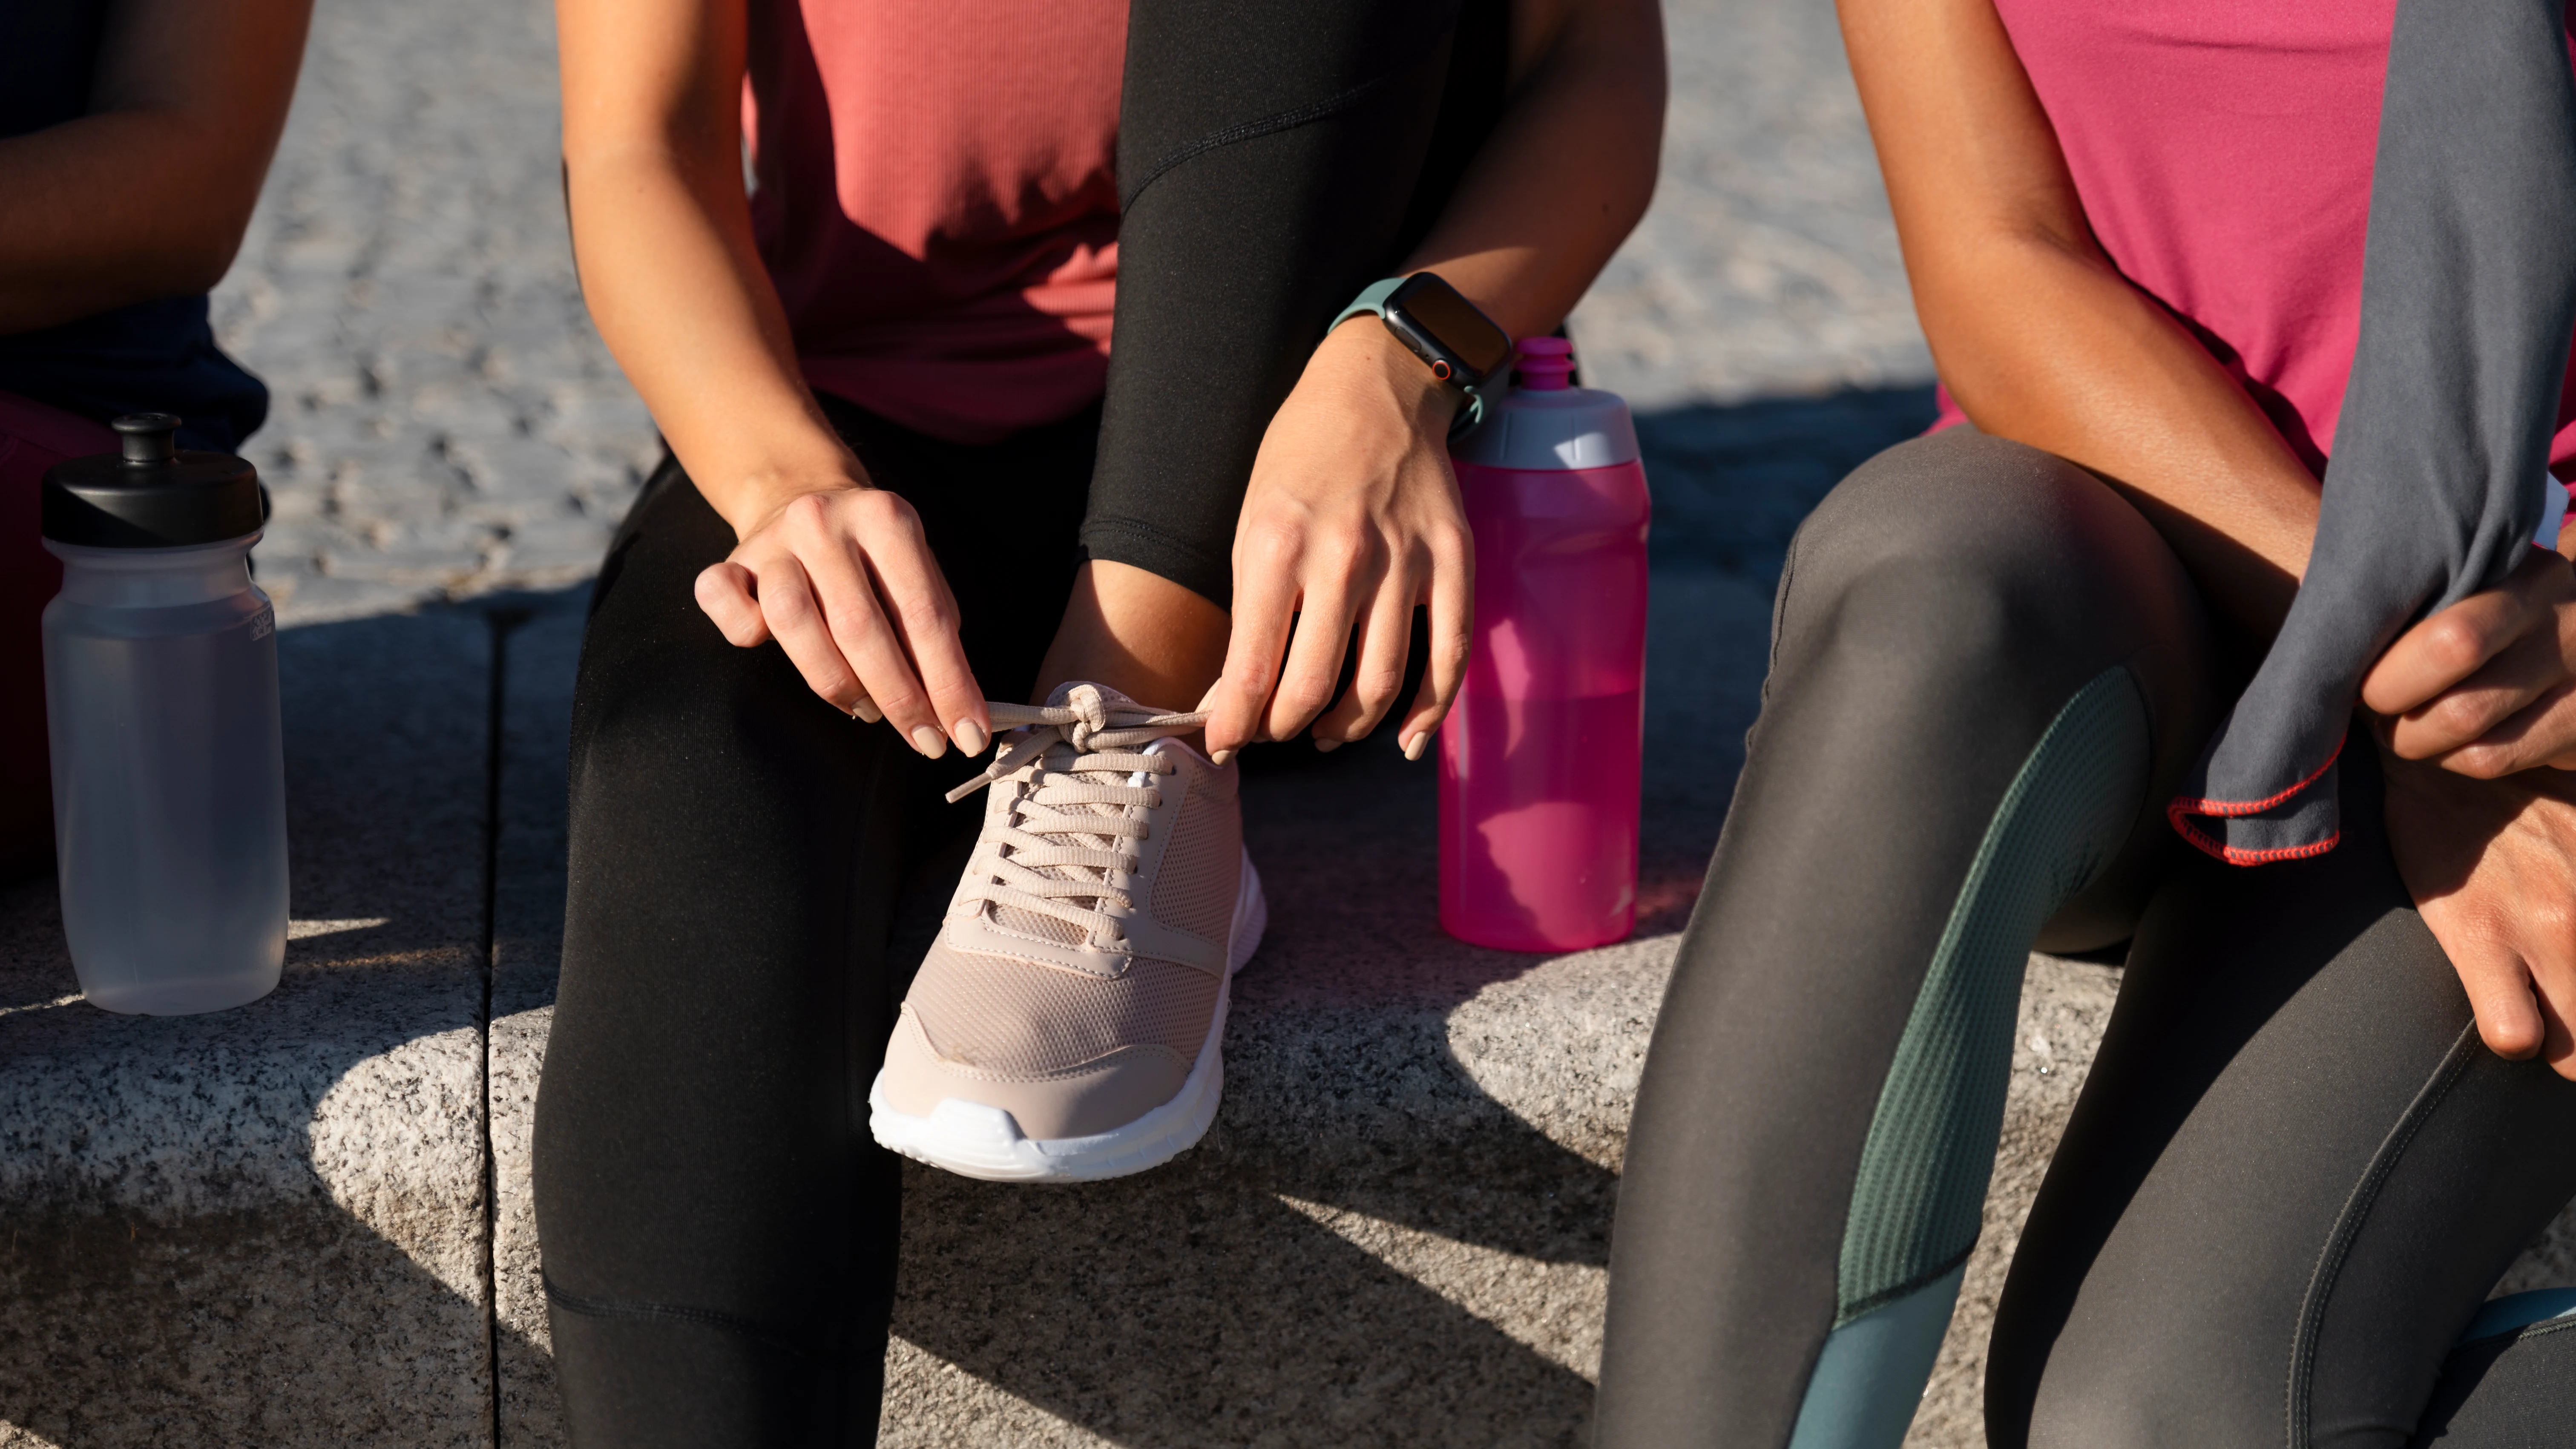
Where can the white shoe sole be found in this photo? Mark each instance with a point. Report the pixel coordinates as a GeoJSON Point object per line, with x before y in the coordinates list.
{"type": "Point", "coordinates": [973, 1140]}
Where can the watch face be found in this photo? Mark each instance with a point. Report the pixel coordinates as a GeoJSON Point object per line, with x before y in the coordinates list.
{"type": "Point", "coordinates": [1453, 323]}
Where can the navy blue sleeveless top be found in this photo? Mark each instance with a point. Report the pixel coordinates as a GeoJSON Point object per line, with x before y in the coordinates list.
{"type": "Point", "coordinates": [156, 356]}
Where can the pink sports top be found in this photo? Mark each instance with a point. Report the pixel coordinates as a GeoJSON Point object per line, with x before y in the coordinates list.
{"type": "Point", "coordinates": [2223, 152]}
{"type": "Point", "coordinates": [935, 201]}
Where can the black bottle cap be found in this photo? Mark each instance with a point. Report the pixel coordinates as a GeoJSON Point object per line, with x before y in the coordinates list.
{"type": "Point", "coordinates": [154, 494]}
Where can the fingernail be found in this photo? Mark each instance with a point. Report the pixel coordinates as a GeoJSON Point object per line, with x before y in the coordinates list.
{"type": "Point", "coordinates": [866, 709]}
{"type": "Point", "coordinates": [1219, 757]}
{"type": "Point", "coordinates": [1325, 745]}
{"type": "Point", "coordinates": [928, 740]}
{"type": "Point", "coordinates": [971, 737]}
{"type": "Point", "coordinates": [1414, 747]}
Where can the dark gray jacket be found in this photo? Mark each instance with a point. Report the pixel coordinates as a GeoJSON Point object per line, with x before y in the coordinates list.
{"type": "Point", "coordinates": [2439, 474]}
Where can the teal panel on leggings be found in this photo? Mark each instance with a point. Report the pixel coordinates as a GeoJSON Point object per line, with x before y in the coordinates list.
{"type": "Point", "coordinates": [1853, 1399]}
{"type": "Point", "coordinates": [1920, 1196]}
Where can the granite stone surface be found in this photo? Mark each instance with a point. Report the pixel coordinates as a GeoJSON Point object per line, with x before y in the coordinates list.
{"type": "Point", "coordinates": [268, 1225]}
{"type": "Point", "coordinates": [539, 652]}
{"type": "Point", "coordinates": [307, 1222]}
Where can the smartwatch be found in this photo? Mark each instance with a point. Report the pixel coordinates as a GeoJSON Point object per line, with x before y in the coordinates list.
{"type": "Point", "coordinates": [1459, 343]}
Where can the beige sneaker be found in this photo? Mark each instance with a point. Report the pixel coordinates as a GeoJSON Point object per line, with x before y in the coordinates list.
{"type": "Point", "coordinates": [1066, 1023]}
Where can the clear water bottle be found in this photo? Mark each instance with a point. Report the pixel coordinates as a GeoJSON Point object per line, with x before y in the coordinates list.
{"type": "Point", "coordinates": [161, 705]}
{"type": "Point", "coordinates": [1541, 756]}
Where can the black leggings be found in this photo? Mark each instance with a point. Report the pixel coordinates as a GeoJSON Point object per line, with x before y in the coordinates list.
{"type": "Point", "coordinates": [2294, 1172]}
{"type": "Point", "coordinates": [718, 1228]}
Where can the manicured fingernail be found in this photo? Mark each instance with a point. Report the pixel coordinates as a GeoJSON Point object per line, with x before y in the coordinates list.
{"type": "Point", "coordinates": [1219, 757]}
{"type": "Point", "coordinates": [1414, 747]}
{"type": "Point", "coordinates": [866, 709]}
{"type": "Point", "coordinates": [971, 737]}
{"type": "Point", "coordinates": [928, 740]}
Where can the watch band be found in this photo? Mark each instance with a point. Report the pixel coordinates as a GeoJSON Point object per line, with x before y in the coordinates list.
{"type": "Point", "coordinates": [1372, 302]}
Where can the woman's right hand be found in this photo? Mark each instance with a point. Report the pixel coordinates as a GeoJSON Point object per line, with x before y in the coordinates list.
{"type": "Point", "coordinates": [841, 575]}
{"type": "Point", "coordinates": [834, 569]}
{"type": "Point", "coordinates": [2487, 687]}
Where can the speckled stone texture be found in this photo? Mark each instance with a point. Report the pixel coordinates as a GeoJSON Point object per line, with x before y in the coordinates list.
{"type": "Point", "coordinates": [444, 423]}
{"type": "Point", "coordinates": [267, 1225]}
{"type": "Point", "coordinates": [272, 1226]}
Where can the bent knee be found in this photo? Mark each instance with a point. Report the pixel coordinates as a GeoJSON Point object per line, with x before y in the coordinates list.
{"type": "Point", "coordinates": [1962, 553]}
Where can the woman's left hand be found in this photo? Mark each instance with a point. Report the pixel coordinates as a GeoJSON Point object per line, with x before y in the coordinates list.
{"type": "Point", "coordinates": [2487, 687]}
{"type": "Point", "coordinates": [1352, 519]}
{"type": "Point", "coordinates": [2491, 864]}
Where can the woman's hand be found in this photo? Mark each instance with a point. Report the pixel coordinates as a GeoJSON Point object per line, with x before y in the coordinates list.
{"type": "Point", "coordinates": [840, 574]}
{"type": "Point", "coordinates": [835, 570]}
{"type": "Point", "coordinates": [1352, 519]}
{"type": "Point", "coordinates": [2492, 866]}
{"type": "Point", "coordinates": [2487, 687]}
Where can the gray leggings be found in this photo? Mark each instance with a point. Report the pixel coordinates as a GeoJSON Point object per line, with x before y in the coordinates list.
{"type": "Point", "coordinates": [2294, 1173]}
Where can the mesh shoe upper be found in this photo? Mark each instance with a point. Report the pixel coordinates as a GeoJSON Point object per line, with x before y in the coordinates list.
{"type": "Point", "coordinates": [1088, 938]}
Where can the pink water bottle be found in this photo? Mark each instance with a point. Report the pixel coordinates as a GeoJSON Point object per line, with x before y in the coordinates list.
{"type": "Point", "coordinates": [1539, 760]}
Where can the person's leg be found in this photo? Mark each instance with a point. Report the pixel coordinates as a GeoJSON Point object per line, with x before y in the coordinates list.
{"type": "Point", "coordinates": [1274, 157]}
{"type": "Point", "coordinates": [718, 1231]}
{"type": "Point", "coordinates": [33, 438]}
{"type": "Point", "coordinates": [2510, 1381]}
{"type": "Point", "coordinates": [1986, 668]}
{"type": "Point", "coordinates": [2293, 1175]}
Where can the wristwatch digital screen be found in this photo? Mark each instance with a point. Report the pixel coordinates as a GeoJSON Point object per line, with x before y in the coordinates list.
{"type": "Point", "coordinates": [1459, 343]}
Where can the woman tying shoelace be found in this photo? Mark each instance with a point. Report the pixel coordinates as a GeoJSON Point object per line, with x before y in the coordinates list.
{"type": "Point", "coordinates": [909, 475]}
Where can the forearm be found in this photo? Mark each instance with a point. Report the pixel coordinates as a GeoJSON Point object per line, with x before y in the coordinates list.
{"type": "Point", "coordinates": [2046, 345]}
{"type": "Point", "coordinates": [103, 213]}
{"type": "Point", "coordinates": [2036, 333]}
{"type": "Point", "coordinates": [1566, 173]}
{"type": "Point", "coordinates": [148, 195]}
{"type": "Point", "coordinates": [680, 297]}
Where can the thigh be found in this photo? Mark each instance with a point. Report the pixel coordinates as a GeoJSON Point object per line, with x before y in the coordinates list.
{"type": "Point", "coordinates": [718, 1229]}
{"type": "Point", "coordinates": [1986, 666]}
{"type": "Point", "coordinates": [2292, 1176]}
{"type": "Point", "coordinates": [718, 1233]}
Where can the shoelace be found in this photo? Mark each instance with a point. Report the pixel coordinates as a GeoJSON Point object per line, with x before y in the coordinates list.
{"type": "Point", "coordinates": [1067, 830]}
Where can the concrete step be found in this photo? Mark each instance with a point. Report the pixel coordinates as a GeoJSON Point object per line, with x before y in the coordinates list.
{"type": "Point", "coordinates": [307, 1222]}
{"type": "Point", "coordinates": [268, 1226]}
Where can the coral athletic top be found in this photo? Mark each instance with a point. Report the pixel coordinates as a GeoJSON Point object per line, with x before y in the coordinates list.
{"type": "Point", "coordinates": [935, 201]}
{"type": "Point", "coordinates": [2223, 152]}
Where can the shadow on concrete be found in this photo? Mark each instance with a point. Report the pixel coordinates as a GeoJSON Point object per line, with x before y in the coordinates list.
{"type": "Point", "coordinates": [1732, 483]}
{"type": "Point", "coordinates": [269, 1225]}
{"type": "Point", "coordinates": [1192, 1305]}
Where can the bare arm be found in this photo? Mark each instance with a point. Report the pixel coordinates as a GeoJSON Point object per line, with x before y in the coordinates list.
{"type": "Point", "coordinates": [148, 195]}
{"type": "Point", "coordinates": [1569, 168]}
{"type": "Point", "coordinates": [2036, 333]}
{"type": "Point", "coordinates": [1352, 516]}
{"type": "Point", "coordinates": [2043, 342]}
{"type": "Point", "coordinates": [838, 572]}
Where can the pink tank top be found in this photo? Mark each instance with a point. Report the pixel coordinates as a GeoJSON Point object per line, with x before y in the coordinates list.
{"type": "Point", "coordinates": [935, 201]}
{"type": "Point", "coordinates": [2223, 152]}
